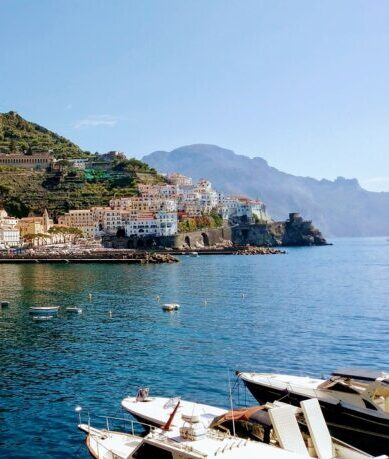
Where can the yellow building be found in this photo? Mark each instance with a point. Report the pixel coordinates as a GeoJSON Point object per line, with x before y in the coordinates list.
{"type": "Point", "coordinates": [35, 225]}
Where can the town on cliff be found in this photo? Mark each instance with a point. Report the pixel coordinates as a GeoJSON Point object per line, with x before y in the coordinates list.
{"type": "Point", "coordinates": [175, 213]}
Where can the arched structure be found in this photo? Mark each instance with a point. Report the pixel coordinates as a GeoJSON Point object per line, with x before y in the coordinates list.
{"type": "Point", "coordinates": [205, 239]}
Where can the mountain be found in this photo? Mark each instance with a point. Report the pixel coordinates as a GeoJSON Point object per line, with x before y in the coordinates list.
{"type": "Point", "coordinates": [18, 134]}
{"type": "Point", "coordinates": [338, 208]}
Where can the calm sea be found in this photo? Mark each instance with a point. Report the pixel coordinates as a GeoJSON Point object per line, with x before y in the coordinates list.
{"type": "Point", "coordinates": [306, 312]}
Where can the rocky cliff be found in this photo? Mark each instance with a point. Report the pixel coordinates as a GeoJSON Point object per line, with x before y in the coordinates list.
{"type": "Point", "coordinates": [293, 232]}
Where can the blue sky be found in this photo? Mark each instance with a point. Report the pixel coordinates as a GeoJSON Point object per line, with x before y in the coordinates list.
{"type": "Point", "coordinates": [303, 84]}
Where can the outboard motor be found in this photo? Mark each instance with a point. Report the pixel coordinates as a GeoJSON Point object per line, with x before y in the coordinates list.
{"type": "Point", "coordinates": [143, 394]}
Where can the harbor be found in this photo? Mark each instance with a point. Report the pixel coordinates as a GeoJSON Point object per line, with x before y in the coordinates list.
{"type": "Point", "coordinates": [231, 317]}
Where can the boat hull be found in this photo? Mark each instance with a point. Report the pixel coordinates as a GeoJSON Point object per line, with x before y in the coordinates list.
{"type": "Point", "coordinates": [359, 428]}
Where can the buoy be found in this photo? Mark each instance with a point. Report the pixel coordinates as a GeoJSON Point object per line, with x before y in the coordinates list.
{"type": "Point", "coordinates": [243, 295]}
{"type": "Point", "coordinates": [170, 307]}
{"type": "Point", "coordinates": [110, 313]}
{"type": "Point", "coordinates": [158, 298]}
{"type": "Point", "coordinates": [205, 302]}
{"type": "Point", "coordinates": [90, 296]}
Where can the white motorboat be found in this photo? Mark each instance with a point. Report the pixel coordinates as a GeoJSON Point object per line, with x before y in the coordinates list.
{"type": "Point", "coordinates": [194, 254]}
{"type": "Point", "coordinates": [44, 310]}
{"type": "Point", "coordinates": [355, 402]}
{"type": "Point", "coordinates": [170, 306]}
{"type": "Point", "coordinates": [194, 441]}
{"type": "Point", "coordinates": [156, 410]}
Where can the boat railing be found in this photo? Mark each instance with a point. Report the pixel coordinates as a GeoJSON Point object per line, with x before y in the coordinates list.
{"type": "Point", "coordinates": [110, 419]}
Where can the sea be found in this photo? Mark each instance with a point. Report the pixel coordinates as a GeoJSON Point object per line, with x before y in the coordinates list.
{"type": "Point", "coordinates": [307, 312]}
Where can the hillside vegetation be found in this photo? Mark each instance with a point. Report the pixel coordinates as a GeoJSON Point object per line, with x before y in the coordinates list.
{"type": "Point", "coordinates": [24, 191]}
{"type": "Point", "coordinates": [17, 134]}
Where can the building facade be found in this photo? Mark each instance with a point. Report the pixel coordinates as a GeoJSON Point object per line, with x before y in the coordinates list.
{"type": "Point", "coordinates": [35, 161]}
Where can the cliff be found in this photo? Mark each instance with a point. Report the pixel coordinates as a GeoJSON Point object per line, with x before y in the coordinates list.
{"type": "Point", "coordinates": [293, 232]}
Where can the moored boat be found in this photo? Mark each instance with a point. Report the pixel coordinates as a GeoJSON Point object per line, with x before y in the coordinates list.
{"type": "Point", "coordinates": [156, 410]}
{"type": "Point", "coordinates": [192, 440]}
{"type": "Point", "coordinates": [355, 403]}
{"type": "Point", "coordinates": [45, 310]}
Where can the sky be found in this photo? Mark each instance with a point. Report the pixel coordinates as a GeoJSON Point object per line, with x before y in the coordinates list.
{"type": "Point", "coordinates": [303, 84]}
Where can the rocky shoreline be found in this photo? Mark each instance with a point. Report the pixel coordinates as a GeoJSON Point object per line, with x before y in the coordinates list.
{"type": "Point", "coordinates": [97, 256]}
{"type": "Point", "coordinates": [260, 251]}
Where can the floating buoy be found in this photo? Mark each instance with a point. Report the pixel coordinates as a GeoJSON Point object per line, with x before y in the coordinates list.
{"type": "Point", "coordinates": [205, 302]}
{"type": "Point", "coordinates": [243, 295]}
{"type": "Point", "coordinates": [110, 313]}
{"type": "Point", "coordinates": [90, 296]}
{"type": "Point", "coordinates": [170, 306]}
{"type": "Point", "coordinates": [158, 298]}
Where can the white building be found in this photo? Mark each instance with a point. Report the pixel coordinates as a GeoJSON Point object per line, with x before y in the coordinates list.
{"type": "Point", "coordinates": [152, 224]}
{"type": "Point", "coordinates": [9, 231]}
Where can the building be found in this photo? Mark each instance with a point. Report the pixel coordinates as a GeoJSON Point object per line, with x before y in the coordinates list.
{"type": "Point", "coordinates": [84, 220]}
{"type": "Point", "coordinates": [152, 224]}
{"type": "Point", "coordinates": [35, 225]}
{"type": "Point", "coordinates": [35, 161]}
{"type": "Point", "coordinates": [9, 231]}
{"type": "Point", "coordinates": [157, 208]}
{"type": "Point", "coordinates": [243, 208]}
{"type": "Point", "coordinates": [178, 179]}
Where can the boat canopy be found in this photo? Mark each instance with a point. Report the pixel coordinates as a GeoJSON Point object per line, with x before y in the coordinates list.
{"type": "Point", "coordinates": [363, 374]}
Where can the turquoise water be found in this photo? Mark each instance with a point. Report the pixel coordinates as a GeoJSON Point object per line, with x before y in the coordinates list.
{"type": "Point", "coordinates": [309, 311]}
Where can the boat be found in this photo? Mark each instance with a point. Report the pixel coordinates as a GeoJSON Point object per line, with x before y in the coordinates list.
{"type": "Point", "coordinates": [41, 318]}
{"type": "Point", "coordinates": [192, 440]}
{"type": "Point", "coordinates": [170, 307]}
{"type": "Point", "coordinates": [4, 304]}
{"type": "Point", "coordinates": [73, 310]}
{"type": "Point", "coordinates": [176, 443]}
{"type": "Point", "coordinates": [302, 430]}
{"type": "Point", "coordinates": [194, 254]}
{"type": "Point", "coordinates": [45, 310]}
{"type": "Point", "coordinates": [107, 444]}
{"type": "Point", "coordinates": [156, 410]}
{"type": "Point", "coordinates": [355, 402]}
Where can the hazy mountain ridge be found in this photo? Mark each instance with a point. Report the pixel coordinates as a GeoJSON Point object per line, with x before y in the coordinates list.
{"type": "Point", "coordinates": [339, 208]}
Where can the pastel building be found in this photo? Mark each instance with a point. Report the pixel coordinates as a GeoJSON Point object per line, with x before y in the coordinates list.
{"type": "Point", "coordinates": [81, 219]}
{"type": "Point", "coordinates": [35, 225]}
{"type": "Point", "coordinates": [9, 231]}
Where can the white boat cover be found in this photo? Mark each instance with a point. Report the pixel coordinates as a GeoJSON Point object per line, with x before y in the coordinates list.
{"type": "Point", "coordinates": [318, 428]}
{"type": "Point", "coordinates": [287, 430]}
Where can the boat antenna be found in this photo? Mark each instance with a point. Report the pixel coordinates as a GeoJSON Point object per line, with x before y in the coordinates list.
{"type": "Point", "coordinates": [166, 427]}
{"type": "Point", "coordinates": [231, 404]}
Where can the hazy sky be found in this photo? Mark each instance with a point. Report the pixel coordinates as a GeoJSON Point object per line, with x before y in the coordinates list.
{"type": "Point", "coordinates": [303, 84]}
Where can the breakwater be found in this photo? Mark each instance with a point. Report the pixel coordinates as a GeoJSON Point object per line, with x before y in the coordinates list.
{"type": "Point", "coordinates": [101, 256]}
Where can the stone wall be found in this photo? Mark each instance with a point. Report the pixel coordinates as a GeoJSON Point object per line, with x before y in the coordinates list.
{"type": "Point", "coordinates": [293, 232]}
{"type": "Point", "coordinates": [193, 240]}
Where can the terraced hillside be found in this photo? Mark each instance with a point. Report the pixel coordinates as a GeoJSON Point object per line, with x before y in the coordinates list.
{"type": "Point", "coordinates": [24, 191]}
